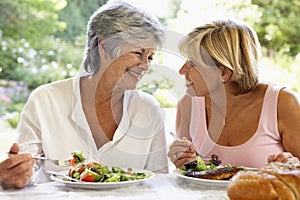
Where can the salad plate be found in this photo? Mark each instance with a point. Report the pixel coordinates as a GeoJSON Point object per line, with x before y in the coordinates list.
{"type": "Point", "coordinates": [101, 185]}
{"type": "Point", "coordinates": [220, 184]}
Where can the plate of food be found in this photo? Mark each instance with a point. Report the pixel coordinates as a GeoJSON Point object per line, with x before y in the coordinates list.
{"type": "Point", "coordinates": [93, 175]}
{"type": "Point", "coordinates": [211, 174]}
{"type": "Point", "coordinates": [222, 184]}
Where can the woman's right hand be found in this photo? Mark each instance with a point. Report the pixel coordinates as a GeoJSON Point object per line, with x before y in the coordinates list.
{"type": "Point", "coordinates": [281, 157]}
{"type": "Point", "coordinates": [16, 170]}
{"type": "Point", "coordinates": [181, 152]}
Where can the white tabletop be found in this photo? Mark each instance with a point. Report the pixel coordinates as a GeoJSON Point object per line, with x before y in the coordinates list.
{"type": "Point", "coordinates": [161, 186]}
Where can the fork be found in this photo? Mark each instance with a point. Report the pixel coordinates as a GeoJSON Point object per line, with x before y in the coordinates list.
{"type": "Point", "coordinates": [62, 175]}
{"type": "Point", "coordinates": [191, 146]}
{"type": "Point", "coordinates": [61, 163]}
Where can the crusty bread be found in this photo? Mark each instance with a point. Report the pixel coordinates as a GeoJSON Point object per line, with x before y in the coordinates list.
{"type": "Point", "coordinates": [250, 185]}
{"type": "Point", "coordinates": [283, 191]}
{"type": "Point", "coordinates": [291, 179]}
{"type": "Point", "coordinates": [275, 181]}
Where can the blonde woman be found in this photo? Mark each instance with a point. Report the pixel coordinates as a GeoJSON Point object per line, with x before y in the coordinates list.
{"type": "Point", "coordinates": [227, 110]}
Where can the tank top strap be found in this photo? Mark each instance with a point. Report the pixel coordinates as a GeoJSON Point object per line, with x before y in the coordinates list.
{"type": "Point", "coordinates": [268, 117]}
{"type": "Point", "coordinates": [198, 127]}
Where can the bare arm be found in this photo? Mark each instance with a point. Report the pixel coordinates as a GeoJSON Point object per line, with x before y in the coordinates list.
{"type": "Point", "coordinates": [289, 121]}
{"type": "Point", "coordinates": [183, 117]}
{"type": "Point", "coordinates": [180, 151]}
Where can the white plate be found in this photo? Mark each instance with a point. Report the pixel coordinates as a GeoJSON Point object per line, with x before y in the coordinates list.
{"type": "Point", "coordinates": [101, 185]}
{"type": "Point", "coordinates": [220, 184]}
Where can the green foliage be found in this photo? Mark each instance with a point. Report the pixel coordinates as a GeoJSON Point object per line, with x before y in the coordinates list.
{"type": "Point", "coordinates": [51, 60]}
{"type": "Point", "coordinates": [277, 25]}
{"type": "Point", "coordinates": [30, 49]}
{"type": "Point", "coordinates": [29, 19]}
{"type": "Point", "coordinates": [80, 12]}
{"type": "Point", "coordinates": [14, 121]}
{"type": "Point", "coordinates": [26, 26]}
{"type": "Point", "coordinates": [36, 54]}
{"type": "Point", "coordinates": [43, 41]}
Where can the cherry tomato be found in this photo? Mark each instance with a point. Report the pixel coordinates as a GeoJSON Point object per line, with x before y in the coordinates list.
{"type": "Point", "coordinates": [72, 162]}
{"type": "Point", "coordinates": [89, 176]}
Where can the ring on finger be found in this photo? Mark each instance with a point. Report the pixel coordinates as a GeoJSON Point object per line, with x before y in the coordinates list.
{"type": "Point", "coordinates": [175, 156]}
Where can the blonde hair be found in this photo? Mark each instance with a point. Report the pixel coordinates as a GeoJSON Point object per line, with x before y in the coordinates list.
{"type": "Point", "coordinates": [226, 43]}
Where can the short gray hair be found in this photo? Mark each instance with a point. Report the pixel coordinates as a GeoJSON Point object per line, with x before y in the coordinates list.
{"type": "Point", "coordinates": [116, 24]}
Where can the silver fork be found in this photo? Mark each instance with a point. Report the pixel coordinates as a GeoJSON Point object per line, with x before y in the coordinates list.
{"type": "Point", "coordinates": [61, 163]}
{"type": "Point", "coordinates": [192, 146]}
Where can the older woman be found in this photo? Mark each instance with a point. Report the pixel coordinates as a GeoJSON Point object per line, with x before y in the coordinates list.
{"type": "Point", "coordinates": [98, 112]}
{"type": "Point", "coordinates": [227, 111]}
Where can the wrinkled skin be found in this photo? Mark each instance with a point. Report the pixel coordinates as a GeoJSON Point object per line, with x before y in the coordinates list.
{"type": "Point", "coordinates": [16, 170]}
{"type": "Point", "coordinates": [183, 152]}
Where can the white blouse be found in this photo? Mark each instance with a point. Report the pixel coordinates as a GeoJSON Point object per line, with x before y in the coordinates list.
{"type": "Point", "coordinates": [53, 124]}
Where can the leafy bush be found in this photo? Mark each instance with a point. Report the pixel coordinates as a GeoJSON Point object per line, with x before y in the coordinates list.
{"type": "Point", "coordinates": [52, 60]}
{"type": "Point", "coordinates": [13, 120]}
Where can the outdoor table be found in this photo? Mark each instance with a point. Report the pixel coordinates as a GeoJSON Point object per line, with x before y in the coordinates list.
{"type": "Point", "coordinates": [161, 186]}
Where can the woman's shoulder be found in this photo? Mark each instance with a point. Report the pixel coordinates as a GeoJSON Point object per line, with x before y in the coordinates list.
{"type": "Point", "coordinates": [288, 98]}
{"type": "Point", "coordinates": [264, 89]}
{"type": "Point", "coordinates": [284, 93]}
{"type": "Point", "coordinates": [59, 85]}
{"type": "Point", "coordinates": [57, 91]}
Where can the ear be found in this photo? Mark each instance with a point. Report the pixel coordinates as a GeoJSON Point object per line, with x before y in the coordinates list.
{"type": "Point", "coordinates": [101, 49]}
{"type": "Point", "coordinates": [226, 73]}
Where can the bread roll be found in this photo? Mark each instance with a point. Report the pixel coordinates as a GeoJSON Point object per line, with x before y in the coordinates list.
{"type": "Point", "coordinates": [250, 185]}
{"type": "Point", "coordinates": [283, 190]}
{"type": "Point", "coordinates": [274, 181]}
{"type": "Point", "coordinates": [291, 179]}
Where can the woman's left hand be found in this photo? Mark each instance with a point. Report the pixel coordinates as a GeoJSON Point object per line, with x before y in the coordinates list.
{"type": "Point", "coordinates": [281, 157]}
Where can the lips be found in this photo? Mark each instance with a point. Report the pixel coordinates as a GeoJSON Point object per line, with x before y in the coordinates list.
{"type": "Point", "coordinates": [187, 83]}
{"type": "Point", "coordinates": [136, 75]}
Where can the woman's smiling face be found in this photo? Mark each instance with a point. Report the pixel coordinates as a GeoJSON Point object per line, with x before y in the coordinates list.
{"type": "Point", "coordinates": [201, 81]}
{"type": "Point", "coordinates": [134, 61]}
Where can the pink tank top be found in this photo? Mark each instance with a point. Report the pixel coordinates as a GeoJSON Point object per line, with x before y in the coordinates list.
{"type": "Point", "coordinates": [253, 153]}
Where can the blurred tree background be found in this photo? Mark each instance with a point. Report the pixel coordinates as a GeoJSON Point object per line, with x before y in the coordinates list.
{"type": "Point", "coordinates": [43, 41]}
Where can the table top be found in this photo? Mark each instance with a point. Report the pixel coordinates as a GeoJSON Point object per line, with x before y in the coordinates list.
{"type": "Point", "coordinates": [161, 186]}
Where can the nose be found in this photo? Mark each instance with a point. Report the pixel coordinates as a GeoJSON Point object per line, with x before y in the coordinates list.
{"type": "Point", "coordinates": [184, 69]}
{"type": "Point", "coordinates": [145, 64]}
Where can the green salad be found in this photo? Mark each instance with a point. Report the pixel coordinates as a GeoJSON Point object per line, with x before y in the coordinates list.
{"type": "Point", "coordinates": [200, 165]}
{"type": "Point", "coordinates": [95, 172]}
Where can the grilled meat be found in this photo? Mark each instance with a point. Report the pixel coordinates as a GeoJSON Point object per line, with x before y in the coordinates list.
{"type": "Point", "coordinates": [224, 173]}
{"type": "Point", "coordinates": [79, 168]}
